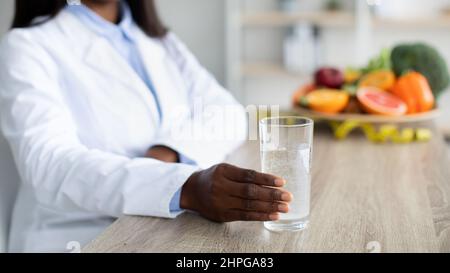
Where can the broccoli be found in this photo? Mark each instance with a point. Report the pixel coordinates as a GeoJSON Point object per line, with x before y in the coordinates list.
{"type": "Point", "coordinates": [424, 59]}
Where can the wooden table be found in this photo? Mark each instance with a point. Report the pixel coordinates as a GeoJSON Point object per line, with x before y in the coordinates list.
{"type": "Point", "coordinates": [383, 197]}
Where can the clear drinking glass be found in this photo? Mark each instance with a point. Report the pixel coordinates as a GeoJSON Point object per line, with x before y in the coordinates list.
{"type": "Point", "coordinates": [286, 151]}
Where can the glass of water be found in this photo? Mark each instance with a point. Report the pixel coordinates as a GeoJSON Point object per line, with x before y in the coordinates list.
{"type": "Point", "coordinates": [286, 151]}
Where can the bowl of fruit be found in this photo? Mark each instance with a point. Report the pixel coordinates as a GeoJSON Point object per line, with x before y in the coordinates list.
{"type": "Point", "coordinates": [401, 85]}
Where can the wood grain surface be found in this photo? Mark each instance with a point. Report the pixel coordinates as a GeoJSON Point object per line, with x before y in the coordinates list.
{"type": "Point", "coordinates": [365, 198]}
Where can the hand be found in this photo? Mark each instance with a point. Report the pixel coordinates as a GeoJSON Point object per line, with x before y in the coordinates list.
{"type": "Point", "coordinates": [225, 193]}
{"type": "Point", "coordinates": [163, 153]}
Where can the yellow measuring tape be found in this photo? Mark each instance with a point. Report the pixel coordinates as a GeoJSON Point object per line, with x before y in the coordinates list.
{"type": "Point", "coordinates": [382, 134]}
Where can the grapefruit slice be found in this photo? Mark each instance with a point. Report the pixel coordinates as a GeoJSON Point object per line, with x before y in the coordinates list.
{"type": "Point", "coordinates": [378, 102]}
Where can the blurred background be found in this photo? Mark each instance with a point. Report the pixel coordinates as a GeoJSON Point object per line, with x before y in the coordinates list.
{"type": "Point", "coordinates": [263, 50]}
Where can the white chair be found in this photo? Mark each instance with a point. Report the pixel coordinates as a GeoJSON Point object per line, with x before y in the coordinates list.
{"type": "Point", "coordinates": [9, 181]}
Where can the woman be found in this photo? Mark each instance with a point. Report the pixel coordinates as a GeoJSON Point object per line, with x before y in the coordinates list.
{"type": "Point", "coordinates": [97, 103]}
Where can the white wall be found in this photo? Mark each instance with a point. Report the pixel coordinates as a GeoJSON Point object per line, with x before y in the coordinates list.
{"type": "Point", "coordinates": [200, 24]}
{"type": "Point", "coordinates": [6, 13]}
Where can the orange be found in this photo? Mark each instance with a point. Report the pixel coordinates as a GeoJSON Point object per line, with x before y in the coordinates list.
{"type": "Point", "coordinates": [327, 100]}
{"type": "Point", "coordinates": [383, 79]}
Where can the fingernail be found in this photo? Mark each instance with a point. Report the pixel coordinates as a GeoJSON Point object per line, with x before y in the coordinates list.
{"type": "Point", "coordinates": [286, 196]}
{"type": "Point", "coordinates": [279, 182]}
{"type": "Point", "coordinates": [283, 208]}
{"type": "Point", "coordinates": [273, 216]}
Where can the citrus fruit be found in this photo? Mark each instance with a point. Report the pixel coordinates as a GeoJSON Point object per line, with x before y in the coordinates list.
{"type": "Point", "coordinates": [376, 101]}
{"type": "Point", "coordinates": [302, 91]}
{"type": "Point", "coordinates": [383, 79]}
{"type": "Point", "coordinates": [326, 100]}
{"type": "Point", "coordinates": [351, 75]}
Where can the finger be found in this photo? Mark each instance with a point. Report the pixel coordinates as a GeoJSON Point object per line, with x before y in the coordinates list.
{"type": "Point", "coordinates": [256, 192]}
{"type": "Point", "coordinates": [255, 205]}
{"type": "Point", "coordinates": [251, 176]}
{"type": "Point", "coordinates": [242, 215]}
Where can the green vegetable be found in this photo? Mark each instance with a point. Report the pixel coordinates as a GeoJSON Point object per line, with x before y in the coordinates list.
{"type": "Point", "coordinates": [424, 59]}
{"type": "Point", "coordinates": [333, 5]}
{"type": "Point", "coordinates": [350, 89]}
{"type": "Point", "coordinates": [380, 62]}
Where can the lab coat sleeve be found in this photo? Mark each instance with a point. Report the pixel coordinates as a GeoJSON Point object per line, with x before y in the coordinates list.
{"type": "Point", "coordinates": [50, 157]}
{"type": "Point", "coordinates": [216, 124]}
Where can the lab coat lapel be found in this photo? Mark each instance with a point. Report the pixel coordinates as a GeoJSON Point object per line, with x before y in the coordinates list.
{"type": "Point", "coordinates": [153, 56]}
{"type": "Point", "coordinates": [98, 53]}
{"type": "Point", "coordinates": [102, 57]}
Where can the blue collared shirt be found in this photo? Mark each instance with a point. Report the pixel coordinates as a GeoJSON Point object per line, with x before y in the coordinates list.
{"type": "Point", "coordinates": [121, 38]}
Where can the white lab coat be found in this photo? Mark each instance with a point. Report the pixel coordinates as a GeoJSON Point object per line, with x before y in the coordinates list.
{"type": "Point", "coordinates": [79, 119]}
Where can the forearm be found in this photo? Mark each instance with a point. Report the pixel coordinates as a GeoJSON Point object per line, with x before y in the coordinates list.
{"type": "Point", "coordinates": [163, 153]}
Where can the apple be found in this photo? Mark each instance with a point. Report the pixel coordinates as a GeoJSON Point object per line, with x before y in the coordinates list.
{"type": "Point", "coordinates": [329, 77]}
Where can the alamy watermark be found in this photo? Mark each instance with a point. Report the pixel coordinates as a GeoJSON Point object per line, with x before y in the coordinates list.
{"type": "Point", "coordinates": [373, 247]}
{"type": "Point", "coordinates": [203, 122]}
{"type": "Point", "coordinates": [73, 247]}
